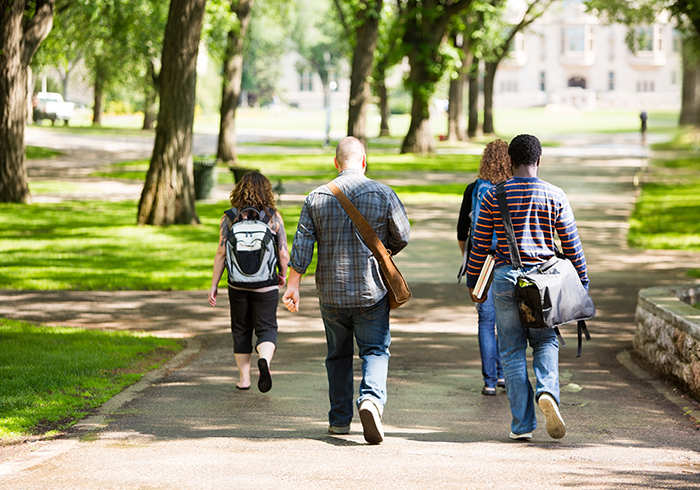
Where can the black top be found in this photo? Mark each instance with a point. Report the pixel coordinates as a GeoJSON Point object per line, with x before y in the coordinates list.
{"type": "Point", "coordinates": [464, 222]}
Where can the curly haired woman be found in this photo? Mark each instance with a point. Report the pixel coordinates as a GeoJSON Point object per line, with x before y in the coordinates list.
{"type": "Point", "coordinates": [494, 168]}
{"type": "Point", "coordinates": [252, 309]}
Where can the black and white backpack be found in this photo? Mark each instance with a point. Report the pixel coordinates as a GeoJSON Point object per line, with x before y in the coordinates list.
{"type": "Point", "coordinates": [251, 249]}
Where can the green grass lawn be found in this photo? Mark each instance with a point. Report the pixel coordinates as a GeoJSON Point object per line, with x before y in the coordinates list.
{"type": "Point", "coordinates": [667, 212]}
{"type": "Point", "coordinates": [508, 122]}
{"type": "Point", "coordinates": [96, 245]}
{"type": "Point", "coordinates": [34, 152]}
{"type": "Point", "coordinates": [71, 372]}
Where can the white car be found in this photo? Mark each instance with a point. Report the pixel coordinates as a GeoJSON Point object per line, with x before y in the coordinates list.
{"type": "Point", "coordinates": [50, 105]}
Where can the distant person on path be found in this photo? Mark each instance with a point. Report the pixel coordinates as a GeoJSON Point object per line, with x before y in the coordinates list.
{"type": "Point", "coordinates": [537, 209]}
{"type": "Point", "coordinates": [254, 306]}
{"type": "Point", "coordinates": [352, 296]}
{"type": "Point", "coordinates": [643, 117]}
{"type": "Point", "coordinates": [494, 168]}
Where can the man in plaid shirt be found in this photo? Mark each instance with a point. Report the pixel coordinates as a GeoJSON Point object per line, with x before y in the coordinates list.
{"type": "Point", "coordinates": [351, 293]}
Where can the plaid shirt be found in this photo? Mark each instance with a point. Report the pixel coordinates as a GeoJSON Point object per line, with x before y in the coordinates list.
{"type": "Point", "coordinates": [347, 274]}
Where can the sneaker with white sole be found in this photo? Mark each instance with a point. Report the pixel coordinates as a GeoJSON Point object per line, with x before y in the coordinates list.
{"type": "Point", "coordinates": [555, 424]}
{"type": "Point", "coordinates": [371, 422]}
{"type": "Point", "coordinates": [521, 437]}
{"type": "Point", "coordinates": [339, 429]}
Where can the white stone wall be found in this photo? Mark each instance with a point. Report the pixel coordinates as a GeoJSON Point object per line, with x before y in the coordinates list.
{"type": "Point", "coordinates": [668, 333]}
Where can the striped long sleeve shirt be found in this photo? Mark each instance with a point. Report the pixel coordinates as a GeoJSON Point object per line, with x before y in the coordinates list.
{"type": "Point", "coordinates": [538, 209]}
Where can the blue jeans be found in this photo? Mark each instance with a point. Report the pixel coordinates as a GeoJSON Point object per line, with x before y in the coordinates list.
{"type": "Point", "coordinates": [512, 342]}
{"type": "Point", "coordinates": [370, 326]}
{"type": "Point", "coordinates": [488, 343]}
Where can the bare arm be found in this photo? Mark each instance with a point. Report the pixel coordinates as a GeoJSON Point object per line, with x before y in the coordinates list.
{"type": "Point", "coordinates": [219, 263]}
{"type": "Point", "coordinates": [291, 296]}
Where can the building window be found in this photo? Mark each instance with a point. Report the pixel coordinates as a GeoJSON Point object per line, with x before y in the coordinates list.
{"type": "Point", "coordinates": [611, 47]}
{"type": "Point", "coordinates": [645, 86]}
{"type": "Point", "coordinates": [644, 39]}
{"type": "Point", "coordinates": [306, 81]}
{"type": "Point", "coordinates": [673, 77]}
{"type": "Point", "coordinates": [543, 87]}
{"type": "Point", "coordinates": [575, 39]}
{"type": "Point", "coordinates": [676, 41]}
{"type": "Point", "coordinates": [611, 81]}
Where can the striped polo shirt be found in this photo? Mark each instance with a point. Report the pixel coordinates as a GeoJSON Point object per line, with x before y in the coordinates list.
{"type": "Point", "coordinates": [538, 209]}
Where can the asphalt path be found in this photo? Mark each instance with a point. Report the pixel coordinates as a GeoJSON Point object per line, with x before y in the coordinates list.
{"type": "Point", "coordinates": [187, 427]}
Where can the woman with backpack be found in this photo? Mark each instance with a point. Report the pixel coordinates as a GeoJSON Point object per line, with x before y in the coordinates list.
{"type": "Point", "coordinates": [253, 248]}
{"type": "Point", "coordinates": [494, 168]}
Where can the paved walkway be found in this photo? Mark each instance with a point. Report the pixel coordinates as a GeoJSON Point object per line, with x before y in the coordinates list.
{"type": "Point", "coordinates": [187, 427]}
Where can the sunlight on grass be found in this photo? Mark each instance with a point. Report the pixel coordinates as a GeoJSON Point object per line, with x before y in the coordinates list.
{"type": "Point", "coordinates": [72, 372]}
{"type": "Point", "coordinates": [96, 245]}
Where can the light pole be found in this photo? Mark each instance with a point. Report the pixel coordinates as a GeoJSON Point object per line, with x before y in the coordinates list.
{"type": "Point", "coordinates": [330, 87]}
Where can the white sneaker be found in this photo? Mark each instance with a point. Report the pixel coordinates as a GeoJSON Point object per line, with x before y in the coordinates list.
{"type": "Point", "coordinates": [521, 437]}
{"type": "Point", "coordinates": [339, 429]}
{"type": "Point", "coordinates": [555, 424]}
{"type": "Point", "coordinates": [371, 422]}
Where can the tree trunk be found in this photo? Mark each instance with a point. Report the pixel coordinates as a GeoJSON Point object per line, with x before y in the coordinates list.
{"type": "Point", "coordinates": [168, 194]}
{"type": "Point", "coordinates": [473, 109]}
{"type": "Point", "coordinates": [18, 43]}
{"type": "Point", "coordinates": [488, 96]}
{"type": "Point", "coordinates": [383, 108]}
{"type": "Point", "coordinates": [456, 123]}
{"type": "Point", "coordinates": [150, 109]}
{"type": "Point", "coordinates": [231, 87]}
{"type": "Point", "coordinates": [363, 57]}
{"type": "Point", "coordinates": [97, 105]}
{"type": "Point", "coordinates": [690, 93]}
{"type": "Point", "coordinates": [419, 138]}
{"type": "Point", "coordinates": [425, 31]}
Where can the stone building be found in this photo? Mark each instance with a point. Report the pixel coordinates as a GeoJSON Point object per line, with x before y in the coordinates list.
{"type": "Point", "coordinates": [571, 58]}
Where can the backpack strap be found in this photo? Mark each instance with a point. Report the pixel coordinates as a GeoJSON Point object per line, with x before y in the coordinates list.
{"type": "Point", "coordinates": [508, 225]}
{"type": "Point", "coordinates": [263, 215]}
{"type": "Point", "coordinates": [231, 215]}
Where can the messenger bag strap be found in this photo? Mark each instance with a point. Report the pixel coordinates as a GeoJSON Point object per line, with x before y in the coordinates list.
{"type": "Point", "coordinates": [582, 329]}
{"type": "Point", "coordinates": [368, 234]}
{"type": "Point", "coordinates": [508, 225]}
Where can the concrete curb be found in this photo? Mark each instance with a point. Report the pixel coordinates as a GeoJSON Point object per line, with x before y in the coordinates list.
{"type": "Point", "coordinates": [95, 422]}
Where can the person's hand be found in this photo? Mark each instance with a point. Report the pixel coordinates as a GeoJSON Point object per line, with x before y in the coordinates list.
{"type": "Point", "coordinates": [291, 299]}
{"type": "Point", "coordinates": [475, 299]}
{"type": "Point", "coordinates": [212, 295]}
{"type": "Point", "coordinates": [281, 280]}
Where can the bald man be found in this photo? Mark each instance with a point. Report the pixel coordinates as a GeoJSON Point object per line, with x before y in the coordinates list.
{"type": "Point", "coordinates": [351, 293]}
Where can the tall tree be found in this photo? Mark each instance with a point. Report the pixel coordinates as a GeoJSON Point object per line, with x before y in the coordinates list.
{"type": "Point", "coordinates": [236, 16]}
{"type": "Point", "coordinates": [389, 53]}
{"type": "Point", "coordinates": [425, 32]}
{"type": "Point", "coordinates": [24, 26]}
{"type": "Point", "coordinates": [498, 47]}
{"type": "Point", "coordinates": [168, 194]}
{"type": "Point", "coordinates": [456, 122]}
{"type": "Point", "coordinates": [360, 19]}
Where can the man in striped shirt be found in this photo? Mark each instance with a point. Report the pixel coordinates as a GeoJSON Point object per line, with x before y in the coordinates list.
{"type": "Point", "coordinates": [351, 293]}
{"type": "Point", "coordinates": [538, 210]}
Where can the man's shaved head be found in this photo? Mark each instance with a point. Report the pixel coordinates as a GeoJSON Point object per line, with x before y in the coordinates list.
{"type": "Point", "coordinates": [349, 153]}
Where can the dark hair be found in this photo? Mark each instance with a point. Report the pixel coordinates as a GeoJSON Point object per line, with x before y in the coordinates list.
{"type": "Point", "coordinates": [524, 149]}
